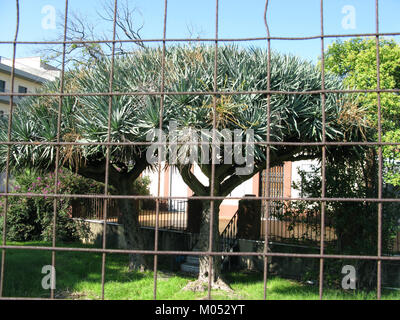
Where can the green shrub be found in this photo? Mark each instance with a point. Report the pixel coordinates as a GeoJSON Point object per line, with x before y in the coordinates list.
{"type": "Point", "coordinates": [31, 218]}
{"type": "Point", "coordinates": [355, 222]}
{"type": "Point", "coordinates": [21, 220]}
{"type": "Point", "coordinates": [141, 186]}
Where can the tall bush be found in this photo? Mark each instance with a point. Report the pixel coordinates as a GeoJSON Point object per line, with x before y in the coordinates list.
{"type": "Point", "coordinates": [355, 222]}
{"type": "Point", "coordinates": [31, 217]}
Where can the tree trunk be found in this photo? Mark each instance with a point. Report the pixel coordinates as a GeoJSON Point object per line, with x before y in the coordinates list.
{"type": "Point", "coordinates": [129, 218]}
{"type": "Point", "coordinates": [194, 210]}
{"type": "Point", "coordinates": [203, 243]}
{"type": "Point", "coordinates": [370, 173]}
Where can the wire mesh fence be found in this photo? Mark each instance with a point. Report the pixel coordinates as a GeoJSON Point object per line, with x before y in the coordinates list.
{"type": "Point", "coordinates": [161, 92]}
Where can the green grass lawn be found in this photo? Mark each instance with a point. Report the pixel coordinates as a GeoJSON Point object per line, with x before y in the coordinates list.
{"type": "Point", "coordinates": [78, 276]}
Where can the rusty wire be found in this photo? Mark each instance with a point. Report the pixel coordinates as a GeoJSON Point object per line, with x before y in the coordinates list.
{"type": "Point", "coordinates": [55, 200]}
{"type": "Point", "coordinates": [210, 253]}
{"type": "Point", "coordinates": [3, 252]}
{"type": "Point", "coordinates": [267, 151]}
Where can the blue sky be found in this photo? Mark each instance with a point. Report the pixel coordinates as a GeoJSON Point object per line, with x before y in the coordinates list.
{"type": "Point", "coordinates": [237, 18]}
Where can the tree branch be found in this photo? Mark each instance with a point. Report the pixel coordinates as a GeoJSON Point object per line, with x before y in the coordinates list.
{"type": "Point", "coordinates": [191, 180]}
{"type": "Point", "coordinates": [139, 166]}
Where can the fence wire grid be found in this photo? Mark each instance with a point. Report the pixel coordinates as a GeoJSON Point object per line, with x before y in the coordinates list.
{"type": "Point", "coordinates": [322, 256]}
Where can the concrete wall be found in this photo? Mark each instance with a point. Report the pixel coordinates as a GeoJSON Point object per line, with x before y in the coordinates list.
{"type": "Point", "coordinates": [168, 240]}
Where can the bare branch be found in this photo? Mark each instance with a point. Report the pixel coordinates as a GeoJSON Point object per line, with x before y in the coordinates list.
{"type": "Point", "coordinates": [83, 29]}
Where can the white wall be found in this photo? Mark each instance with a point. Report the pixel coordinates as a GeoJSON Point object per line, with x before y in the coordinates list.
{"type": "Point", "coordinates": [177, 187]}
{"type": "Point", "coordinates": [240, 191]}
{"type": "Point", "coordinates": [304, 165]}
{"type": "Point", "coordinates": [153, 175]}
{"type": "Point", "coordinates": [245, 188]}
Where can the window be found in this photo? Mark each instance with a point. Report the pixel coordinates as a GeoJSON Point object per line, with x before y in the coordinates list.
{"type": "Point", "coordinates": [22, 89]}
{"type": "Point", "coordinates": [2, 86]}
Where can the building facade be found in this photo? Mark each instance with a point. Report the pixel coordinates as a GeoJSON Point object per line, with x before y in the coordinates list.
{"type": "Point", "coordinates": [29, 74]}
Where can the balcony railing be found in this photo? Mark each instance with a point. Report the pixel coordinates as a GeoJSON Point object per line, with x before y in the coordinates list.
{"type": "Point", "coordinates": [172, 214]}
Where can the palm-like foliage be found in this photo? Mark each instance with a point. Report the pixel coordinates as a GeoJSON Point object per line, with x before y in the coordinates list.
{"type": "Point", "coordinates": [85, 119]}
{"type": "Point", "coordinates": [293, 117]}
